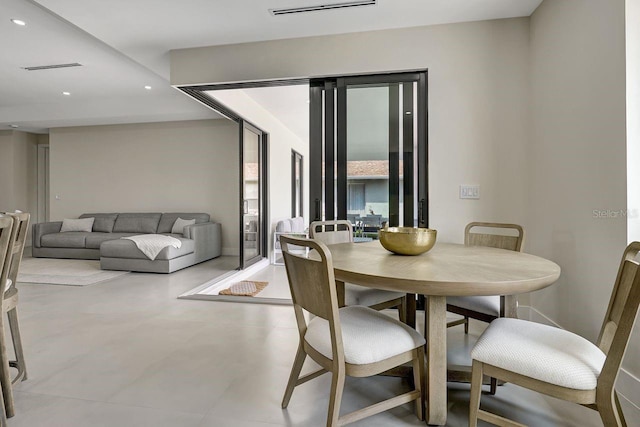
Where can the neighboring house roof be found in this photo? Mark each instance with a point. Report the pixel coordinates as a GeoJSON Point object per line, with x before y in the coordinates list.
{"type": "Point", "coordinates": [363, 169]}
{"type": "Point", "coordinates": [369, 169]}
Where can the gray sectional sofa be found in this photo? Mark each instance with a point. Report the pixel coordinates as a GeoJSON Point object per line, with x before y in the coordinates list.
{"type": "Point", "coordinates": [200, 241]}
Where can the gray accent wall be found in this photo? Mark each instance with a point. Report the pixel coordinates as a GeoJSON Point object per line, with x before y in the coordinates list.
{"type": "Point", "coordinates": [187, 166]}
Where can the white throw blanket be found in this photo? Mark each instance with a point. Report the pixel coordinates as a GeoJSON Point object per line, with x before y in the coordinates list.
{"type": "Point", "coordinates": [152, 244]}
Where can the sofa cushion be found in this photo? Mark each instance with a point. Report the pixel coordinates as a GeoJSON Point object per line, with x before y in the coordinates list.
{"type": "Point", "coordinates": [94, 240]}
{"type": "Point", "coordinates": [83, 224]}
{"type": "Point", "coordinates": [180, 224]}
{"type": "Point", "coordinates": [284, 226]}
{"type": "Point", "coordinates": [297, 224]}
{"type": "Point", "coordinates": [123, 248]}
{"type": "Point", "coordinates": [69, 239]}
{"type": "Point", "coordinates": [168, 219]}
{"type": "Point", "coordinates": [143, 223]}
{"type": "Point", "coordinates": [104, 221]}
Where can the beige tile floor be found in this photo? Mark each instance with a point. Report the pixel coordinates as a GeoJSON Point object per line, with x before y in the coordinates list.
{"type": "Point", "coordinates": [128, 353]}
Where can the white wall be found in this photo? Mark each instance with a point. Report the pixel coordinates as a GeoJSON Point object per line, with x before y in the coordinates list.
{"type": "Point", "coordinates": [281, 142]}
{"type": "Point", "coordinates": [18, 152]}
{"type": "Point", "coordinates": [578, 154]}
{"type": "Point", "coordinates": [189, 166]}
{"type": "Point", "coordinates": [633, 118]}
{"type": "Point", "coordinates": [478, 91]}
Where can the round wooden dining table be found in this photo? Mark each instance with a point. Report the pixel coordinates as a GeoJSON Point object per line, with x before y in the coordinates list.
{"type": "Point", "coordinates": [446, 270]}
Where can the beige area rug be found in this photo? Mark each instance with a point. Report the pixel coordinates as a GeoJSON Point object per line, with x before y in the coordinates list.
{"type": "Point", "coordinates": [246, 288]}
{"type": "Point", "coordinates": [70, 272]}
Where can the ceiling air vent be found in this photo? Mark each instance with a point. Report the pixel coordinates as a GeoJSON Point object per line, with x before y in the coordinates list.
{"type": "Point", "coordinates": [51, 67]}
{"type": "Point", "coordinates": [328, 6]}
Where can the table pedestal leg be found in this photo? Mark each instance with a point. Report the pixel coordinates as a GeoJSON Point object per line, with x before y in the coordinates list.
{"type": "Point", "coordinates": [340, 293]}
{"type": "Point", "coordinates": [436, 336]}
{"type": "Point", "coordinates": [411, 310]}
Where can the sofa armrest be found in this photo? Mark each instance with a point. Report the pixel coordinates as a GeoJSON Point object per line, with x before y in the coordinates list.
{"type": "Point", "coordinates": [207, 237]}
{"type": "Point", "coordinates": [43, 228]}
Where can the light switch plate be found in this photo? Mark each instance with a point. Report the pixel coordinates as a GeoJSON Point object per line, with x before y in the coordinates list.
{"type": "Point", "coordinates": [469, 191]}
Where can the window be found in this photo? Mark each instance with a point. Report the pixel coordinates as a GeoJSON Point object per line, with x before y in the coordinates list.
{"type": "Point", "coordinates": [355, 197]}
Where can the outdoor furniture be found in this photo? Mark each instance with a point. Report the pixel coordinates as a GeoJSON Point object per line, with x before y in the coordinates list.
{"type": "Point", "coordinates": [288, 226]}
{"type": "Point", "coordinates": [446, 270]}
{"type": "Point", "coordinates": [341, 231]}
{"type": "Point", "coordinates": [355, 341]}
{"type": "Point", "coordinates": [560, 363]}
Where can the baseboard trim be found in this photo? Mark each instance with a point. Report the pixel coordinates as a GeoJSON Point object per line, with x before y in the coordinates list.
{"type": "Point", "coordinates": [627, 385]}
{"type": "Point", "coordinates": [529, 313]}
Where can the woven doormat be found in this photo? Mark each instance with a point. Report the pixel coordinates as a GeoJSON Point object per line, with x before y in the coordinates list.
{"type": "Point", "coordinates": [247, 288]}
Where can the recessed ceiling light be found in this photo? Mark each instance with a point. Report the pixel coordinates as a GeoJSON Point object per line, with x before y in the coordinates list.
{"type": "Point", "coordinates": [66, 93]}
{"type": "Point", "coordinates": [18, 22]}
{"type": "Point", "coordinates": [147, 87]}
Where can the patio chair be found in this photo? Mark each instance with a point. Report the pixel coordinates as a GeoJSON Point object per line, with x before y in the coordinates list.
{"type": "Point", "coordinates": [341, 231]}
{"type": "Point", "coordinates": [560, 363]}
{"type": "Point", "coordinates": [355, 341]}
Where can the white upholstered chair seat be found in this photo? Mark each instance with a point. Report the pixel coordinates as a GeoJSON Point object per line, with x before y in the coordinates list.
{"type": "Point", "coordinates": [486, 304]}
{"type": "Point", "coordinates": [542, 352]}
{"type": "Point", "coordinates": [368, 336]}
{"type": "Point", "coordinates": [361, 295]}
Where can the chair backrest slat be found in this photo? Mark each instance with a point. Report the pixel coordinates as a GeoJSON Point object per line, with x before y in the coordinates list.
{"type": "Point", "coordinates": [330, 232]}
{"type": "Point", "coordinates": [497, 240]}
{"type": "Point", "coordinates": [622, 303]}
{"type": "Point", "coordinates": [18, 240]}
{"type": "Point", "coordinates": [311, 281]}
{"type": "Point", "coordinates": [6, 231]}
{"type": "Point", "coordinates": [620, 318]}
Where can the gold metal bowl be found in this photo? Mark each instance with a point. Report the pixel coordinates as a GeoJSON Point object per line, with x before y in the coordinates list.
{"type": "Point", "coordinates": [407, 240]}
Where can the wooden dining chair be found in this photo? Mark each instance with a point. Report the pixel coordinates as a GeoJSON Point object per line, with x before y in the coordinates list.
{"type": "Point", "coordinates": [487, 308]}
{"type": "Point", "coordinates": [356, 341]}
{"type": "Point", "coordinates": [10, 307]}
{"type": "Point", "coordinates": [560, 363]}
{"type": "Point", "coordinates": [341, 231]}
{"type": "Point", "coordinates": [6, 231]}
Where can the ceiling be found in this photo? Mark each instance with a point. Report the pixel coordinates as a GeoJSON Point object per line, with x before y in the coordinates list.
{"type": "Point", "coordinates": [123, 45]}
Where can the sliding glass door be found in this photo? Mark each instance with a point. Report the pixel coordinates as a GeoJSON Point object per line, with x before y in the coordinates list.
{"type": "Point", "coordinates": [368, 154]}
{"type": "Point", "coordinates": [252, 188]}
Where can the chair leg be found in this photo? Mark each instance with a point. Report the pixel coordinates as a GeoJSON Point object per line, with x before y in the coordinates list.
{"type": "Point", "coordinates": [17, 345]}
{"type": "Point", "coordinates": [337, 387]}
{"type": "Point", "coordinates": [3, 415]}
{"type": "Point", "coordinates": [295, 374]}
{"type": "Point", "coordinates": [418, 381]}
{"type": "Point", "coordinates": [466, 325]}
{"type": "Point", "coordinates": [476, 391]}
{"type": "Point", "coordinates": [5, 374]}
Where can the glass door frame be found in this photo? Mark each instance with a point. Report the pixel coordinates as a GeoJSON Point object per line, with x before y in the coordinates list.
{"type": "Point", "coordinates": [327, 127]}
{"type": "Point", "coordinates": [263, 201]}
{"type": "Point", "coordinates": [297, 184]}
